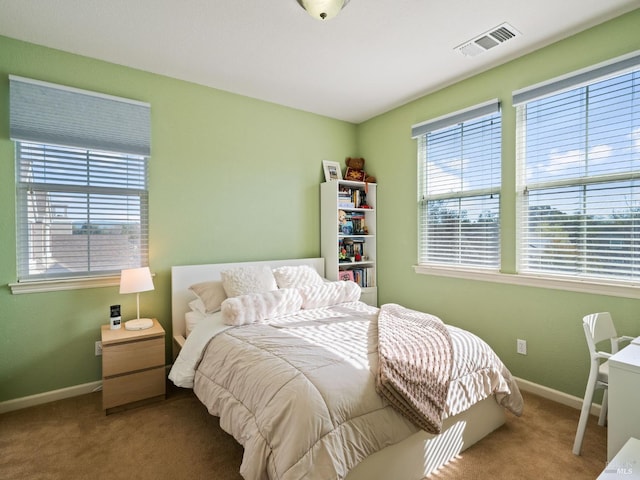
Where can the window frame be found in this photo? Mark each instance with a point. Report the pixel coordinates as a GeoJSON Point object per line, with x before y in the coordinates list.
{"type": "Point", "coordinates": [508, 275]}
{"type": "Point", "coordinates": [132, 183]}
{"type": "Point", "coordinates": [59, 116]}
{"type": "Point", "coordinates": [521, 99]}
{"type": "Point", "coordinates": [463, 118]}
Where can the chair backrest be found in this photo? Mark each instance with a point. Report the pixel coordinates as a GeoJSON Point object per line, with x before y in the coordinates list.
{"type": "Point", "coordinates": [598, 327]}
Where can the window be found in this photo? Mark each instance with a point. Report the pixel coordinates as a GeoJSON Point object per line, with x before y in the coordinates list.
{"type": "Point", "coordinates": [459, 158]}
{"type": "Point", "coordinates": [81, 212]}
{"type": "Point", "coordinates": [579, 175]}
{"type": "Point", "coordinates": [81, 181]}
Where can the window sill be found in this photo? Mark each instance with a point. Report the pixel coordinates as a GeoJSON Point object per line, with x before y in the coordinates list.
{"type": "Point", "coordinates": [38, 286]}
{"type": "Point", "coordinates": [583, 286]}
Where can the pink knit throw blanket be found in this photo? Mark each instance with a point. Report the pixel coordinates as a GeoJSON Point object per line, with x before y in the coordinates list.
{"type": "Point", "coordinates": [415, 361]}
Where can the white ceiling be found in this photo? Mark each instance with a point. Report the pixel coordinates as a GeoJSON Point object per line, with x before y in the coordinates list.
{"type": "Point", "coordinates": [374, 56]}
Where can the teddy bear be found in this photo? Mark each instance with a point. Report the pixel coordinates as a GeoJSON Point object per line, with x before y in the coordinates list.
{"type": "Point", "coordinates": [355, 171]}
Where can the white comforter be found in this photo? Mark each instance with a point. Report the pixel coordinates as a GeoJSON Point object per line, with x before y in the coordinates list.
{"type": "Point", "coordinates": [299, 392]}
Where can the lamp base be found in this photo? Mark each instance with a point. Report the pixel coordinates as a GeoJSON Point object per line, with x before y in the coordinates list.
{"type": "Point", "coordinates": [138, 324]}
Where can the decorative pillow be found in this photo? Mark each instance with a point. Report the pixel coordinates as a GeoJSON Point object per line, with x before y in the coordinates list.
{"type": "Point", "coordinates": [210, 293]}
{"type": "Point", "coordinates": [257, 307]}
{"type": "Point", "coordinates": [245, 280]}
{"type": "Point", "coordinates": [297, 276]}
{"type": "Point", "coordinates": [330, 293]}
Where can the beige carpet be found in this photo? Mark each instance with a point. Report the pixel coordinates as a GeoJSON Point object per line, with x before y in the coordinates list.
{"type": "Point", "coordinates": [177, 439]}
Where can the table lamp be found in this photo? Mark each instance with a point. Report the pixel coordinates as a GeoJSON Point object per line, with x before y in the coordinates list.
{"type": "Point", "coordinates": [136, 280]}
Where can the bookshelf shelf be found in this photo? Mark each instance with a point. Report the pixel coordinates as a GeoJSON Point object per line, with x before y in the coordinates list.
{"type": "Point", "coordinates": [348, 229]}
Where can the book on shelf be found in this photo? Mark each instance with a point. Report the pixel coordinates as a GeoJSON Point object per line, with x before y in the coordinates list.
{"type": "Point", "coordinates": [371, 276]}
{"type": "Point", "coordinates": [354, 197]}
{"type": "Point", "coordinates": [360, 240]}
{"type": "Point", "coordinates": [355, 220]}
{"type": "Point", "coordinates": [345, 275]}
{"type": "Point", "coordinates": [365, 277]}
{"type": "Point", "coordinates": [359, 226]}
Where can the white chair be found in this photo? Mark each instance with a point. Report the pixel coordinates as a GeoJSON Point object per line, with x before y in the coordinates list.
{"type": "Point", "coordinates": [597, 327]}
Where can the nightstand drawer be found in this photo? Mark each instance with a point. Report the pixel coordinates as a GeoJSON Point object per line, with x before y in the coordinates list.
{"type": "Point", "coordinates": [133, 387]}
{"type": "Point", "coordinates": [132, 356]}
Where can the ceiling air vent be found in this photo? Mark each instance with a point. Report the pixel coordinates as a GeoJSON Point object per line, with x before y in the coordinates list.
{"type": "Point", "coordinates": [488, 40]}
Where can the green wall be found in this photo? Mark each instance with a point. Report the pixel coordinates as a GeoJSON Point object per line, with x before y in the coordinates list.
{"type": "Point", "coordinates": [231, 178]}
{"type": "Point", "coordinates": [550, 320]}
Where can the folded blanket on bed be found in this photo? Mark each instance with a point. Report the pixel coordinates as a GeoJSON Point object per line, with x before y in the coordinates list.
{"type": "Point", "coordinates": [415, 357]}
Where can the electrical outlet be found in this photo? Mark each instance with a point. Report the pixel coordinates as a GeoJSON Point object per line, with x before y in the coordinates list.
{"type": "Point", "coordinates": [521, 346]}
{"type": "Point", "coordinates": [98, 348]}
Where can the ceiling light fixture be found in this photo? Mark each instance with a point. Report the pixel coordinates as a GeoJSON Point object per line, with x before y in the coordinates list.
{"type": "Point", "coordinates": [323, 9]}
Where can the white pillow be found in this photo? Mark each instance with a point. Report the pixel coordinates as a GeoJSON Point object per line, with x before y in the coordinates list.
{"type": "Point", "coordinates": [193, 318]}
{"type": "Point", "coordinates": [257, 307]}
{"type": "Point", "coordinates": [245, 280]}
{"type": "Point", "coordinates": [297, 276]}
{"type": "Point", "coordinates": [198, 306]}
{"type": "Point", "coordinates": [329, 293]}
{"type": "Point", "coordinates": [210, 293]}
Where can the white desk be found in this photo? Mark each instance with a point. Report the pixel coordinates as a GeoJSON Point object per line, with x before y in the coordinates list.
{"type": "Point", "coordinates": [626, 464]}
{"type": "Point", "coordinates": [624, 399]}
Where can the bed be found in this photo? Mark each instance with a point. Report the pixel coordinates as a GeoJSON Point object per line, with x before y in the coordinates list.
{"type": "Point", "coordinates": [343, 427]}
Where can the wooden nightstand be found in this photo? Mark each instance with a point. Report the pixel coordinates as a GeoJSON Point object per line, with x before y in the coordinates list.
{"type": "Point", "coordinates": [132, 365]}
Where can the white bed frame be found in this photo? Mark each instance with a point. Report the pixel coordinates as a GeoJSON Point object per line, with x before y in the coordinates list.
{"type": "Point", "coordinates": [413, 458]}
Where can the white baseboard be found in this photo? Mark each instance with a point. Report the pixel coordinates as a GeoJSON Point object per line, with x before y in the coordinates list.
{"type": "Point", "coordinates": [46, 397]}
{"type": "Point", "coordinates": [555, 395]}
{"type": "Point", "coordinates": [52, 396]}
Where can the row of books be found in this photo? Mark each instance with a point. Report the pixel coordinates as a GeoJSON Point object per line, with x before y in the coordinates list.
{"type": "Point", "coordinates": [365, 277]}
{"type": "Point", "coordinates": [352, 198]}
{"type": "Point", "coordinates": [353, 224]}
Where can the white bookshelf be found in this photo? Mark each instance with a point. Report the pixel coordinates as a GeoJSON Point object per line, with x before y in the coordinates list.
{"type": "Point", "coordinates": [333, 237]}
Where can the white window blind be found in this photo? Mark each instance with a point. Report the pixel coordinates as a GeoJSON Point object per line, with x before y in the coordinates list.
{"type": "Point", "coordinates": [459, 176]}
{"type": "Point", "coordinates": [579, 171]}
{"type": "Point", "coordinates": [81, 176]}
{"type": "Point", "coordinates": [80, 213]}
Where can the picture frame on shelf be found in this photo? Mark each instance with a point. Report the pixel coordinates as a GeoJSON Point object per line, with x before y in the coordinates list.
{"type": "Point", "coordinates": [332, 170]}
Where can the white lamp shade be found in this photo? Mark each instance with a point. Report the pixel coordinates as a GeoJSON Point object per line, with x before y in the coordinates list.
{"type": "Point", "coordinates": [134, 280]}
{"type": "Point", "coordinates": [323, 9]}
